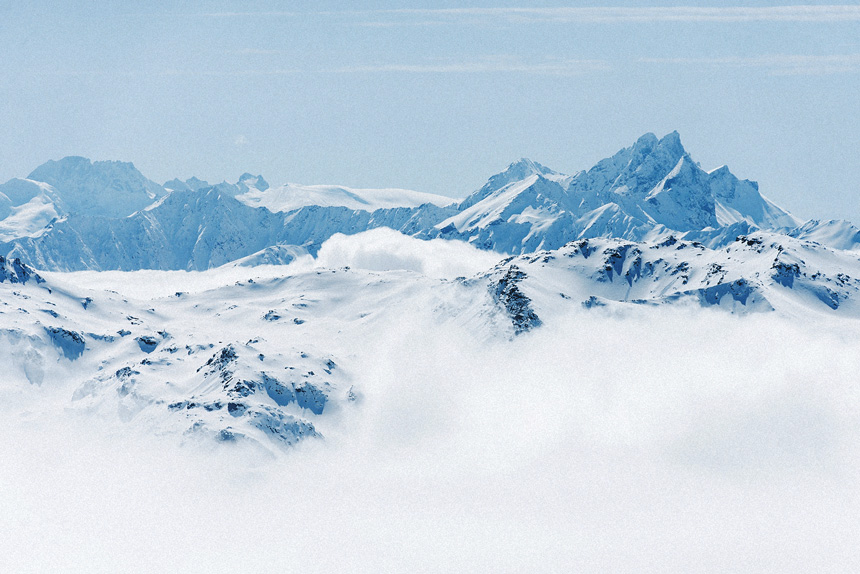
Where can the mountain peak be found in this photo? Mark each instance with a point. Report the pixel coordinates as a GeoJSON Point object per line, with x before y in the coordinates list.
{"type": "Point", "coordinates": [247, 180]}
{"type": "Point", "coordinates": [67, 160]}
{"type": "Point", "coordinates": [525, 163]}
{"type": "Point", "coordinates": [71, 163]}
{"type": "Point", "coordinates": [516, 171]}
{"type": "Point", "coordinates": [103, 188]}
{"type": "Point", "coordinates": [646, 142]}
{"type": "Point", "coordinates": [523, 168]}
{"type": "Point", "coordinates": [651, 159]}
{"type": "Point", "coordinates": [672, 142]}
{"type": "Point", "coordinates": [670, 145]}
{"type": "Point", "coordinates": [190, 184]}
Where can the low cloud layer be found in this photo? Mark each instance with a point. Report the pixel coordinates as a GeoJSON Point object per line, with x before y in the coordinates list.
{"type": "Point", "coordinates": [386, 250]}
{"type": "Point", "coordinates": [627, 440]}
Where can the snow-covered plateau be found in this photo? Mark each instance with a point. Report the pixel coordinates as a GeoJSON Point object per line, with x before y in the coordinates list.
{"type": "Point", "coordinates": [641, 367]}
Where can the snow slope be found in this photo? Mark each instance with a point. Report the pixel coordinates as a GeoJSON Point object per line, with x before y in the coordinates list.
{"type": "Point", "coordinates": [235, 355]}
{"type": "Point", "coordinates": [27, 207]}
{"type": "Point", "coordinates": [837, 234]}
{"type": "Point", "coordinates": [293, 196]}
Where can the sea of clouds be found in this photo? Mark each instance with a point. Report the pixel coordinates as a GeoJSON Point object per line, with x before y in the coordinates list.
{"type": "Point", "coordinates": [627, 440]}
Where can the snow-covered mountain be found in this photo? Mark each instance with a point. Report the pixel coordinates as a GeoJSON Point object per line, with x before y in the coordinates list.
{"type": "Point", "coordinates": [652, 187]}
{"type": "Point", "coordinates": [764, 271]}
{"type": "Point", "coordinates": [199, 230]}
{"type": "Point", "coordinates": [254, 191]}
{"type": "Point", "coordinates": [27, 207]}
{"type": "Point", "coordinates": [631, 328]}
{"type": "Point", "coordinates": [185, 225]}
{"type": "Point", "coordinates": [266, 355]}
{"type": "Point", "coordinates": [148, 365]}
{"type": "Point", "coordinates": [517, 171]}
{"type": "Point", "coordinates": [252, 350]}
{"type": "Point", "coordinates": [74, 214]}
{"type": "Point", "coordinates": [838, 234]}
{"type": "Point", "coordinates": [291, 196]}
{"type": "Point", "coordinates": [104, 188]}
{"type": "Point", "coordinates": [257, 356]}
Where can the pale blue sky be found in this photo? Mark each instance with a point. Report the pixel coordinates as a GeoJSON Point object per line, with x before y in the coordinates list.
{"type": "Point", "coordinates": [439, 98]}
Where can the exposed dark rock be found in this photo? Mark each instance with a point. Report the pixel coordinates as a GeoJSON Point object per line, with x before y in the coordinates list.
{"type": "Point", "coordinates": [69, 342]}
{"type": "Point", "coordinates": [147, 343]}
{"type": "Point", "coordinates": [17, 272]}
{"type": "Point", "coordinates": [507, 294]}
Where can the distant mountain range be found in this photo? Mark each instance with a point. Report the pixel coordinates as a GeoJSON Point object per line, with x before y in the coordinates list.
{"type": "Point", "coordinates": [74, 214]}
{"type": "Point", "coordinates": [274, 356]}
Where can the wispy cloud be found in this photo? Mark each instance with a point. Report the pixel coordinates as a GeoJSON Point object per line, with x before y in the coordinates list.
{"type": "Point", "coordinates": [400, 23]}
{"type": "Point", "coordinates": [191, 73]}
{"type": "Point", "coordinates": [487, 64]}
{"type": "Point", "coordinates": [830, 13]}
{"type": "Point", "coordinates": [576, 14]}
{"type": "Point", "coordinates": [254, 52]}
{"type": "Point", "coordinates": [245, 14]}
{"type": "Point", "coordinates": [231, 73]}
{"type": "Point", "coordinates": [778, 64]}
{"type": "Point", "coordinates": [497, 64]}
{"type": "Point", "coordinates": [774, 64]}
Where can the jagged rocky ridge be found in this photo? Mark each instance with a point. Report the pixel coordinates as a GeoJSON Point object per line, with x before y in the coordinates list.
{"type": "Point", "coordinates": [14, 271]}
{"type": "Point", "coordinates": [760, 272]}
{"type": "Point", "coordinates": [651, 189]}
{"type": "Point", "coordinates": [74, 215]}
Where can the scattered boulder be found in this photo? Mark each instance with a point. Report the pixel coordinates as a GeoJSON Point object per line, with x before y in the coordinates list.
{"type": "Point", "coordinates": [147, 343]}
{"type": "Point", "coordinates": [69, 342]}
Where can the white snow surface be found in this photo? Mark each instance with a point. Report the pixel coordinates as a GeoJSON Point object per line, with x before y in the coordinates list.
{"type": "Point", "coordinates": [291, 196]}
{"type": "Point", "coordinates": [30, 219]}
{"type": "Point", "coordinates": [837, 234]}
